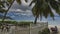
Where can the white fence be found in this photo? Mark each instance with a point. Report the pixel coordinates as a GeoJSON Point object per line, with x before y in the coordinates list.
{"type": "Point", "coordinates": [32, 29]}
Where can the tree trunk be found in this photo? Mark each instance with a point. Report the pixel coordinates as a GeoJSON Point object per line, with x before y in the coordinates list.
{"type": "Point", "coordinates": [35, 20]}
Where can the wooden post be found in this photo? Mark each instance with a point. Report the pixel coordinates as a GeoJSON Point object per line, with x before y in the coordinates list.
{"type": "Point", "coordinates": [30, 29]}
{"type": "Point", "coordinates": [47, 24]}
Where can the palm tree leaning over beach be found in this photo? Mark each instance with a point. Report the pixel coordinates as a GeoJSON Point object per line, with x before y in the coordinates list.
{"type": "Point", "coordinates": [43, 8]}
{"type": "Point", "coordinates": [2, 10]}
{"type": "Point", "coordinates": [10, 3]}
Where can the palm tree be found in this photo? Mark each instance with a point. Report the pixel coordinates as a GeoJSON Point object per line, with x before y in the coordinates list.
{"type": "Point", "coordinates": [1, 7]}
{"type": "Point", "coordinates": [43, 8]}
{"type": "Point", "coordinates": [10, 3]}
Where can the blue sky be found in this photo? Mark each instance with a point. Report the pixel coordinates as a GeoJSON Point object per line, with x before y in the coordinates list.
{"type": "Point", "coordinates": [23, 12]}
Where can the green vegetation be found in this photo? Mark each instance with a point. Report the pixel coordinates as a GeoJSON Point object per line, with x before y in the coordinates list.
{"type": "Point", "coordinates": [8, 3]}
{"type": "Point", "coordinates": [22, 23]}
{"type": "Point", "coordinates": [9, 22]}
{"type": "Point", "coordinates": [45, 31]}
{"type": "Point", "coordinates": [43, 8]}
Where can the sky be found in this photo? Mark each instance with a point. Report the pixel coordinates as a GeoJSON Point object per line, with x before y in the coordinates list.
{"type": "Point", "coordinates": [23, 12]}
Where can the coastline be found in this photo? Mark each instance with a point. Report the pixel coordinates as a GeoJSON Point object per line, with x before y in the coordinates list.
{"type": "Point", "coordinates": [58, 26]}
{"type": "Point", "coordinates": [54, 26]}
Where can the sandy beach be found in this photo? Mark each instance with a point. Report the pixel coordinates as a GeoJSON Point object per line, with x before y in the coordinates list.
{"type": "Point", "coordinates": [58, 26]}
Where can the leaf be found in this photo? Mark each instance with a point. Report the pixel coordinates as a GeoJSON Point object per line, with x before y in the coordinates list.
{"type": "Point", "coordinates": [58, 11]}
{"type": "Point", "coordinates": [1, 4]}
{"type": "Point", "coordinates": [18, 1]}
{"type": "Point", "coordinates": [10, 1]}
{"type": "Point", "coordinates": [26, 0]}
{"type": "Point", "coordinates": [7, 4]}
{"type": "Point", "coordinates": [58, 0]}
{"type": "Point", "coordinates": [2, 10]}
{"type": "Point", "coordinates": [32, 2]}
{"type": "Point", "coordinates": [54, 5]}
{"type": "Point", "coordinates": [42, 8]}
{"type": "Point", "coordinates": [52, 15]}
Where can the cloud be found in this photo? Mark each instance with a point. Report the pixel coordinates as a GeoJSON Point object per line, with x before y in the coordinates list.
{"type": "Point", "coordinates": [24, 6]}
{"type": "Point", "coordinates": [25, 10]}
{"type": "Point", "coordinates": [22, 9]}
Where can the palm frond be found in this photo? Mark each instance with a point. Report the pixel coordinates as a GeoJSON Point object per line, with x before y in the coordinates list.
{"type": "Point", "coordinates": [26, 0]}
{"type": "Point", "coordinates": [32, 2]}
{"type": "Point", "coordinates": [1, 4]}
{"type": "Point", "coordinates": [18, 1]}
{"type": "Point", "coordinates": [43, 7]}
{"type": "Point", "coordinates": [2, 10]}
{"type": "Point", "coordinates": [10, 1]}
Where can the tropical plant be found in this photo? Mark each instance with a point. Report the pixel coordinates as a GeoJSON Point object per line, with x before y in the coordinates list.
{"type": "Point", "coordinates": [2, 10]}
{"type": "Point", "coordinates": [44, 31]}
{"type": "Point", "coordinates": [44, 8]}
{"type": "Point", "coordinates": [2, 6]}
{"type": "Point", "coordinates": [24, 24]}
{"type": "Point", "coordinates": [10, 3]}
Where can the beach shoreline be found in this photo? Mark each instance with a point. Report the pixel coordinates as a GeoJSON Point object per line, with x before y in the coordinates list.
{"type": "Point", "coordinates": [58, 26]}
{"type": "Point", "coordinates": [54, 26]}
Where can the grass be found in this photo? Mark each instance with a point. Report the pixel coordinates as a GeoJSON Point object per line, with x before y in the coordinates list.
{"type": "Point", "coordinates": [21, 23]}
{"type": "Point", "coordinates": [24, 23]}
{"type": "Point", "coordinates": [44, 31]}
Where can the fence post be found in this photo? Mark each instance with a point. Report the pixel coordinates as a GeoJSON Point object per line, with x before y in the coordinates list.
{"type": "Point", "coordinates": [47, 24]}
{"type": "Point", "coordinates": [30, 29]}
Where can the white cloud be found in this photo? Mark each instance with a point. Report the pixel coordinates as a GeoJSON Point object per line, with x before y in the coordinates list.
{"type": "Point", "coordinates": [24, 8]}
{"type": "Point", "coordinates": [18, 10]}
{"type": "Point", "coordinates": [23, 14]}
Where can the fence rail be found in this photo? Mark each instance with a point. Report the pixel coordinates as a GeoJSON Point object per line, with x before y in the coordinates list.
{"type": "Point", "coordinates": [32, 29]}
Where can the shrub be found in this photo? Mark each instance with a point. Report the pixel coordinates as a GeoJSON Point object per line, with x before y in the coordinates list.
{"type": "Point", "coordinates": [22, 23]}
{"type": "Point", "coordinates": [25, 24]}
{"type": "Point", "coordinates": [9, 22]}
{"type": "Point", "coordinates": [45, 31]}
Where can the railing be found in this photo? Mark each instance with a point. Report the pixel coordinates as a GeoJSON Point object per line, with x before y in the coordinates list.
{"type": "Point", "coordinates": [32, 29]}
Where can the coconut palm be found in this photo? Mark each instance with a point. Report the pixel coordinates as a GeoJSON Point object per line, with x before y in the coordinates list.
{"type": "Point", "coordinates": [1, 7]}
{"type": "Point", "coordinates": [43, 8]}
{"type": "Point", "coordinates": [10, 3]}
{"type": "Point", "coordinates": [2, 10]}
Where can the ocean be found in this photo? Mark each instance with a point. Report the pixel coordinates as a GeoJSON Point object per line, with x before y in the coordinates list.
{"type": "Point", "coordinates": [20, 17]}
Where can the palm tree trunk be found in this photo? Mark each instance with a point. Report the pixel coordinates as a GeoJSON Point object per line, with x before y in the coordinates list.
{"type": "Point", "coordinates": [7, 12]}
{"type": "Point", "coordinates": [35, 20]}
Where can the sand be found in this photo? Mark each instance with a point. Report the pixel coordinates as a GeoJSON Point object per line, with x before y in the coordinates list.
{"type": "Point", "coordinates": [58, 26]}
